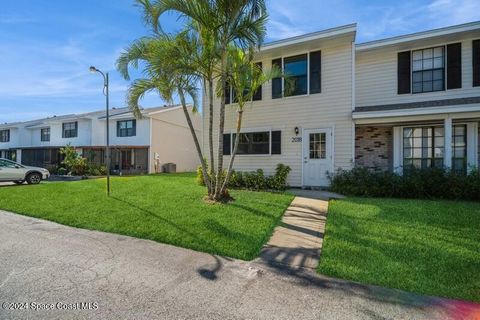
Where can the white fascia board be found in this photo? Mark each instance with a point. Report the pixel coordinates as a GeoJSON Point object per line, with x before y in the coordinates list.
{"type": "Point", "coordinates": [415, 112]}
{"type": "Point", "coordinates": [167, 109]}
{"type": "Point", "coordinates": [328, 33]}
{"type": "Point", "coordinates": [418, 36]}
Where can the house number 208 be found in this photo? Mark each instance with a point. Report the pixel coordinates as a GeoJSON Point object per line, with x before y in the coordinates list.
{"type": "Point", "coordinates": [296, 139]}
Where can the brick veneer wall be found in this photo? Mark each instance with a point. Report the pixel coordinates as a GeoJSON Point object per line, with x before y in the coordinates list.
{"type": "Point", "coordinates": [374, 147]}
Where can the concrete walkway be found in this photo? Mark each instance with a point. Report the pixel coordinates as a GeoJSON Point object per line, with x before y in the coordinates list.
{"type": "Point", "coordinates": [297, 241]}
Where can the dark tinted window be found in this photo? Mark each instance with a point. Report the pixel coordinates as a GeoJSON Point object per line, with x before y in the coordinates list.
{"type": "Point", "coordinates": [295, 68]}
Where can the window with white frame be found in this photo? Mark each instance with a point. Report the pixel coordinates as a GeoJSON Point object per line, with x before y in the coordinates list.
{"type": "Point", "coordinates": [302, 75]}
{"type": "Point", "coordinates": [45, 134]}
{"type": "Point", "coordinates": [253, 143]}
{"type": "Point", "coordinates": [70, 129]}
{"type": "Point", "coordinates": [423, 147]}
{"type": "Point", "coordinates": [295, 69]}
{"type": "Point", "coordinates": [5, 135]}
{"type": "Point", "coordinates": [127, 128]}
{"type": "Point", "coordinates": [428, 70]}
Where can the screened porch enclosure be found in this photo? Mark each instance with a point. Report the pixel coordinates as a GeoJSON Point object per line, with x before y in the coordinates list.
{"type": "Point", "coordinates": [124, 160]}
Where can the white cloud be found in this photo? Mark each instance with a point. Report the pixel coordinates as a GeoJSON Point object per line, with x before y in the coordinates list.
{"type": "Point", "coordinates": [376, 19]}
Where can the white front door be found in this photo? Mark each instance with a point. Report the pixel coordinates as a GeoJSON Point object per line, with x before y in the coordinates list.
{"type": "Point", "coordinates": [317, 157]}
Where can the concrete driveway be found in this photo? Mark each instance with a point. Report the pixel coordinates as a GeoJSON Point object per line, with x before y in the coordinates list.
{"type": "Point", "coordinates": [50, 266]}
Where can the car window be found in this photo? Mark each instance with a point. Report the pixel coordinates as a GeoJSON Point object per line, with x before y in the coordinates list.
{"type": "Point", "coordinates": [7, 164]}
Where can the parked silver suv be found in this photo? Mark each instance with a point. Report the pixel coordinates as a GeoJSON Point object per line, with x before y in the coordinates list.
{"type": "Point", "coordinates": [18, 173]}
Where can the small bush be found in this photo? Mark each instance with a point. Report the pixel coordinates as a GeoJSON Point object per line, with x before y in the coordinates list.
{"type": "Point", "coordinates": [434, 183]}
{"type": "Point", "coordinates": [95, 170]}
{"type": "Point", "coordinates": [255, 180]}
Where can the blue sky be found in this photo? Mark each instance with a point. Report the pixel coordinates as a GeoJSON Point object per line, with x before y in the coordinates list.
{"type": "Point", "coordinates": [46, 47]}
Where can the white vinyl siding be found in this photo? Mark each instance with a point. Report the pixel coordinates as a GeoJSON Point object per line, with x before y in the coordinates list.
{"type": "Point", "coordinates": [376, 77]}
{"type": "Point", "coordinates": [329, 109]}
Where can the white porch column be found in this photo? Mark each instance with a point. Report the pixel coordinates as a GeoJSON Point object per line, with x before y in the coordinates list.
{"type": "Point", "coordinates": [472, 145]}
{"type": "Point", "coordinates": [19, 156]}
{"type": "Point", "coordinates": [397, 150]}
{"type": "Point", "coordinates": [447, 155]}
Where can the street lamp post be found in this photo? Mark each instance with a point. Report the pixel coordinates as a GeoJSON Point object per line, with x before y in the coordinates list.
{"type": "Point", "coordinates": [106, 93]}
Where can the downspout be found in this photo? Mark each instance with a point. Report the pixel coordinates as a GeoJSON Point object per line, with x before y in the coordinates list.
{"type": "Point", "coordinates": [353, 102]}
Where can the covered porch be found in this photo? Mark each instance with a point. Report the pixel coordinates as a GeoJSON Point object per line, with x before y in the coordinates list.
{"type": "Point", "coordinates": [401, 139]}
{"type": "Point", "coordinates": [125, 160]}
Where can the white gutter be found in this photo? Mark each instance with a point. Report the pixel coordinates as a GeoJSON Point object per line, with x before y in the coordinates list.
{"type": "Point", "coordinates": [419, 36]}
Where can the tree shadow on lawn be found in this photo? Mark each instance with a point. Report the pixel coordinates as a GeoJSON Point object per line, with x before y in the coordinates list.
{"type": "Point", "coordinates": [170, 223]}
{"type": "Point", "coordinates": [253, 210]}
{"type": "Point", "coordinates": [421, 244]}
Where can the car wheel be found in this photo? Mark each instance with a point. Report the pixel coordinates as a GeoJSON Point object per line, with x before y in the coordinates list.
{"type": "Point", "coordinates": [34, 178]}
{"type": "Point", "coordinates": [18, 182]}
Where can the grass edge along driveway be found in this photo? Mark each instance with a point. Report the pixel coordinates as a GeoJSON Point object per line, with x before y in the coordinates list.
{"type": "Point", "coordinates": [163, 208]}
{"type": "Point", "coordinates": [424, 246]}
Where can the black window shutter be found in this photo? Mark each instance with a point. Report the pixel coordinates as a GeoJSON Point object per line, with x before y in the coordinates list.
{"type": "Point", "coordinates": [277, 82]}
{"type": "Point", "coordinates": [63, 130]}
{"type": "Point", "coordinates": [226, 144]}
{"type": "Point", "coordinates": [227, 93]}
{"type": "Point", "coordinates": [134, 127]}
{"type": "Point", "coordinates": [276, 142]}
{"type": "Point", "coordinates": [476, 62]}
{"type": "Point", "coordinates": [315, 72]}
{"type": "Point", "coordinates": [258, 93]}
{"type": "Point", "coordinates": [403, 72]}
{"type": "Point", "coordinates": [454, 66]}
{"type": "Point", "coordinates": [118, 128]}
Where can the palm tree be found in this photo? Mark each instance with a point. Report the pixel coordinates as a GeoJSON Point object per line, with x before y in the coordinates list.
{"type": "Point", "coordinates": [224, 22]}
{"type": "Point", "coordinates": [169, 68]}
{"type": "Point", "coordinates": [245, 77]}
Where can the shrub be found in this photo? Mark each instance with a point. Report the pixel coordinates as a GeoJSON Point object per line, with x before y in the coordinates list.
{"type": "Point", "coordinates": [255, 180]}
{"type": "Point", "coordinates": [96, 170]}
{"type": "Point", "coordinates": [73, 162]}
{"type": "Point", "coordinates": [414, 183]}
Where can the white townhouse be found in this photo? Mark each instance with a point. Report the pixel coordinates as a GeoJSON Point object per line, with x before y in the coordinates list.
{"type": "Point", "coordinates": [141, 145]}
{"type": "Point", "coordinates": [309, 129]}
{"type": "Point", "coordinates": [412, 100]}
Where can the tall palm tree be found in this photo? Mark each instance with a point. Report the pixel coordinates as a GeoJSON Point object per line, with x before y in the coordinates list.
{"type": "Point", "coordinates": [245, 77]}
{"type": "Point", "coordinates": [169, 68]}
{"type": "Point", "coordinates": [227, 22]}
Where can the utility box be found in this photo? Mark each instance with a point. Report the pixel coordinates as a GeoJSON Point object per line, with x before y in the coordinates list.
{"type": "Point", "coordinates": [169, 168]}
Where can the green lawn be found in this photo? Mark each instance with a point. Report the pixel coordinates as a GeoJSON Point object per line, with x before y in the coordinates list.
{"type": "Point", "coordinates": [428, 247]}
{"type": "Point", "coordinates": [164, 208]}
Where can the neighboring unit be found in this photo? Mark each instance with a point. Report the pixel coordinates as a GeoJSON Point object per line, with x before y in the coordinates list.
{"type": "Point", "coordinates": [142, 145]}
{"type": "Point", "coordinates": [390, 104]}
{"type": "Point", "coordinates": [418, 100]}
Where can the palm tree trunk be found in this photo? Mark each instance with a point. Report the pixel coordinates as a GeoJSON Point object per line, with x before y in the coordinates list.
{"type": "Point", "coordinates": [210, 124]}
{"type": "Point", "coordinates": [234, 152]}
{"type": "Point", "coordinates": [195, 140]}
{"type": "Point", "coordinates": [221, 128]}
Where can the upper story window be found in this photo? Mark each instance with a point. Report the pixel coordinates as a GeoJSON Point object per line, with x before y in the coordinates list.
{"type": "Point", "coordinates": [428, 70]}
{"type": "Point", "coordinates": [127, 128]}
{"type": "Point", "coordinates": [295, 68]}
{"type": "Point", "coordinates": [45, 134]}
{"type": "Point", "coordinates": [70, 129]}
{"type": "Point", "coordinates": [5, 135]}
{"type": "Point", "coordinates": [303, 75]}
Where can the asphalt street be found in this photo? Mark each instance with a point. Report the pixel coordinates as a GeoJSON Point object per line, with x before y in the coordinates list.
{"type": "Point", "coordinates": [50, 271]}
